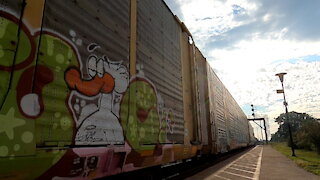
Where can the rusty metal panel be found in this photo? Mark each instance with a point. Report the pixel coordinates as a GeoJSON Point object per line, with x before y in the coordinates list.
{"type": "Point", "coordinates": [188, 104]}
{"type": "Point", "coordinates": [84, 44]}
{"type": "Point", "coordinates": [195, 96]}
{"type": "Point", "coordinates": [159, 61]}
{"type": "Point", "coordinates": [202, 95]}
{"type": "Point", "coordinates": [211, 102]}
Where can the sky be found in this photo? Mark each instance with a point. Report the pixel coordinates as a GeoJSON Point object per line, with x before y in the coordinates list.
{"type": "Point", "coordinates": [247, 42]}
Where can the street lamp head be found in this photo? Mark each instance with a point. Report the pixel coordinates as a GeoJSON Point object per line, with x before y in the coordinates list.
{"type": "Point", "coordinates": [280, 75]}
{"type": "Point", "coordinates": [279, 91]}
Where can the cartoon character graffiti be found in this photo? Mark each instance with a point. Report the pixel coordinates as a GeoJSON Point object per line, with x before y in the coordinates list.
{"type": "Point", "coordinates": [147, 122]}
{"type": "Point", "coordinates": [97, 123]}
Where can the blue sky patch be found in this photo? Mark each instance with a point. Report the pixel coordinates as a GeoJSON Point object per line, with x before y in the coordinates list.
{"type": "Point", "coordinates": [247, 109]}
{"type": "Point", "coordinates": [310, 58]}
{"type": "Point", "coordinates": [236, 9]}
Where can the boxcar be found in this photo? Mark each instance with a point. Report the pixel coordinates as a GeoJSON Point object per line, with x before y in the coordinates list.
{"type": "Point", "coordinates": [95, 88]}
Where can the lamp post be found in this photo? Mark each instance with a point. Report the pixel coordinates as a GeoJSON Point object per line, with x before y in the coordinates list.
{"type": "Point", "coordinates": [280, 75]}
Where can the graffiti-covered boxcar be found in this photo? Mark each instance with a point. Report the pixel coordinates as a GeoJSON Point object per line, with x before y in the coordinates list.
{"type": "Point", "coordinates": [95, 88]}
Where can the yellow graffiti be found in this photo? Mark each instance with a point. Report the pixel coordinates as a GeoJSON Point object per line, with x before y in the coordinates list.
{"type": "Point", "coordinates": [32, 11]}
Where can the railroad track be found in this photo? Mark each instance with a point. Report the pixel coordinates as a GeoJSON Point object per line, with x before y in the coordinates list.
{"type": "Point", "coordinates": [178, 170]}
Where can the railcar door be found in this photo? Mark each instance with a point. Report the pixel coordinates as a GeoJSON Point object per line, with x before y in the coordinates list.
{"type": "Point", "coordinates": [202, 97]}
{"type": "Point", "coordinates": [82, 69]}
{"type": "Point", "coordinates": [160, 116]}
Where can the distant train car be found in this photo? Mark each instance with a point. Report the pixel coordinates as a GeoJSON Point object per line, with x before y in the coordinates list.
{"type": "Point", "coordinates": [228, 125]}
{"type": "Point", "coordinates": [90, 89]}
{"type": "Point", "coordinates": [253, 139]}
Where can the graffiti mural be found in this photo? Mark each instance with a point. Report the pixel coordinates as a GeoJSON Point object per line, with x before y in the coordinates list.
{"type": "Point", "coordinates": [167, 121]}
{"type": "Point", "coordinates": [60, 102]}
{"type": "Point", "coordinates": [148, 122]}
{"type": "Point", "coordinates": [98, 123]}
{"type": "Point", "coordinates": [29, 111]}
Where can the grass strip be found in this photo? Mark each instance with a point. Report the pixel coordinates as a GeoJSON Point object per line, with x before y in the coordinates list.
{"type": "Point", "coordinates": [308, 160]}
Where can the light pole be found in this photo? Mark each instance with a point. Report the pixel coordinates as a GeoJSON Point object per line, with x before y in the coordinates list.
{"type": "Point", "coordinates": [280, 75]}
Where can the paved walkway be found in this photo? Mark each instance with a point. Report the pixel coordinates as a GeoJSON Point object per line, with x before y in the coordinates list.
{"type": "Point", "coordinates": [275, 166]}
{"type": "Point", "coordinates": [259, 163]}
{"type": "Point", "coordinates": [244, 167]}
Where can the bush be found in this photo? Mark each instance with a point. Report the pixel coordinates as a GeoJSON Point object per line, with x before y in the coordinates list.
{"type": "Point", "coordinates": [315, 135]}
{"type": "Point", "coordinates": [294, 143]}
{"type": "Point", "coordinates": [308, 136]}
{"type": "Point", "coordinates": [303, 141]}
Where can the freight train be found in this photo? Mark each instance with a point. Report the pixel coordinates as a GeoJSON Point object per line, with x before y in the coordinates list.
{"type": "Point", "coordinates": [90, 89]}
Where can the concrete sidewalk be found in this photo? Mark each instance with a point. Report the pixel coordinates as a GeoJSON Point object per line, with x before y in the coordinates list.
{"type": "Point", "coordinates": [275, 166]}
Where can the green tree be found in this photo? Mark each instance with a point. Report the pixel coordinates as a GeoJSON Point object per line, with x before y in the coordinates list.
{"type": "Point", "coordinates": [308, 136]}
{"type": "Point", "coordinates": [296, 120]}
{"type": "Point", "coordinates": [305, 130]}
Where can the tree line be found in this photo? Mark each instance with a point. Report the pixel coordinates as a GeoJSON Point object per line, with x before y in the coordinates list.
{"type": "Point", "coordinates": [305, 130]}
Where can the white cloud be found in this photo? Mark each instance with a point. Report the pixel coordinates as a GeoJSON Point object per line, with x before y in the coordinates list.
{"type": "Point", "coordinates": [248, 42]}
{"type": "Point", "coordinates": [301, 88]}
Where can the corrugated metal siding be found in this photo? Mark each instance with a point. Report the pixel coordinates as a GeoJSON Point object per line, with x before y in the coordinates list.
{"type": "Point", "coordinates": [158, 50]}
{"type": "Point", "coordinates": [11, 6]}
{"type": "Point", "coordinates": [105, 23]}
{"type": "Point", "coordinates": [230, 123]}
{"type": "Point", "coordinates": [217, 108]}
{"type": "Point", "coordinates": [238, 123]}
{"type": "Point", "coordinates": [81, 23]}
